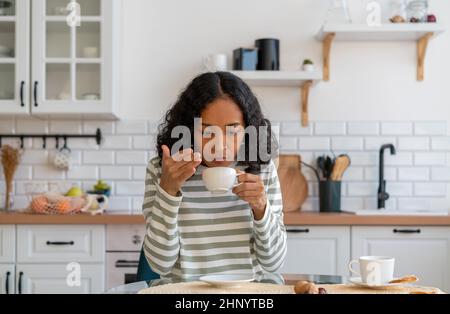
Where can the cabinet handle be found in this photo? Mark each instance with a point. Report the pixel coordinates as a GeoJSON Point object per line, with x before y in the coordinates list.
{"type": "Point", "coordinates": [35, 93]}
{"type": "Point", "coordinates": [406, 230]}
{"type": "Point", "coordinates": [19, 285]}
{"type": "Point", "coordinates": [7, 282]}
{"type": "Point", "coordinates": [298, 231]}
{"type": "Point", "coordinates": [60, 243]}
{"type": "Point", "coordinates": [22, 85]}
{"type": "Point", "coordinates": [126, 264]}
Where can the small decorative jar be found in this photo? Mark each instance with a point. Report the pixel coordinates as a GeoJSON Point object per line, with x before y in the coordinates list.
{"type": "Point", "coordinates": [417, 11]}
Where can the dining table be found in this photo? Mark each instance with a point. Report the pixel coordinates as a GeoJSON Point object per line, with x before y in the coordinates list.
{"type": "Point", "coordinates": [281, 279]}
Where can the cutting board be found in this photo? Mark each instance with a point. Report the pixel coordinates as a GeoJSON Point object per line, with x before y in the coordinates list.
{"type": "Point", "coordinates": [294, 187]}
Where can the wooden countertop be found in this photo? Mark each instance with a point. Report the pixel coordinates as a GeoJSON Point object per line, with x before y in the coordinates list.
{"type": "Point", "coordinates": [297, 218]}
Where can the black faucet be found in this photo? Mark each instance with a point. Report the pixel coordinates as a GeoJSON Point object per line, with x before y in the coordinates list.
{"type": "Point", "coordinates": [382, 195]}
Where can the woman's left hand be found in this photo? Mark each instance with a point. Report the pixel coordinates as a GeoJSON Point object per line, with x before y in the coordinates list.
{"type": "Point", "coordinates": [251, 189]}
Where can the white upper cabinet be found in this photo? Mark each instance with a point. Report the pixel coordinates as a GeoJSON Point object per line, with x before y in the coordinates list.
{"type": "Point", "coordinates": [73, 69]}
{"type": "Point", "coordinates": [14, 58]}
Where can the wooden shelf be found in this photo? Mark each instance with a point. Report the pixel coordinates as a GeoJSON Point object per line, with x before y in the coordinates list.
{"type": "Point", "coordinates": [419, 32]}
{"type": "Point", "coordinates": [304, 80]}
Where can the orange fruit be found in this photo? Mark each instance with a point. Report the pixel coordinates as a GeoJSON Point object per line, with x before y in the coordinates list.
{"type": "Point", "coordinates": [39, 204]}
{"type": "Point", "coordinates": [63, 206]}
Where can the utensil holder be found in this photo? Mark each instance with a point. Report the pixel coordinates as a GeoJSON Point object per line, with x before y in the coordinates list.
{"type": "Point", "coordinates": [330, 196]}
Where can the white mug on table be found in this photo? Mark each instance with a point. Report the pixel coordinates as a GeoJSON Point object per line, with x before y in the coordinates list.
{"type": "Point", "coordinates": [374, 270]}
{"type": "Point", "coordinates": [215, 62]}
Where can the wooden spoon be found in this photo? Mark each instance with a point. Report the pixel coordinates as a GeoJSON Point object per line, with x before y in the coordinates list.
{"type": "Point", "coordinates": [340, 166]}
{"type": "Point", "coordinates": [405, 279]}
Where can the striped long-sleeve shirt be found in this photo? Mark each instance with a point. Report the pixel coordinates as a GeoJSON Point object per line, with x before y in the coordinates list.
{"type": "Point", "coordinates": [199, 233]}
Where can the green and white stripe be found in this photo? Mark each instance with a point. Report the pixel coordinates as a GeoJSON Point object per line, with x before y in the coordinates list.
{"type": "Point", "coordinates": [198, 233]}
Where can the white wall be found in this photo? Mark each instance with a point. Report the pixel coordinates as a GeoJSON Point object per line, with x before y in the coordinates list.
{"type": "Point", "coordinates": [165, 40]}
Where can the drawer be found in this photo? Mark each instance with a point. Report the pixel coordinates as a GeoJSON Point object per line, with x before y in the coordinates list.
{"type": "Point", "coordinates": [62, 243]}
{"type": "Point", "coordinates": [7, 243]}
{"type": "Point", "coordinates": [124, 237]}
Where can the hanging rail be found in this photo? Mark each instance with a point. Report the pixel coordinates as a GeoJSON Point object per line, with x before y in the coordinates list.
{"type": "Point", "coordinates": [97, 136]}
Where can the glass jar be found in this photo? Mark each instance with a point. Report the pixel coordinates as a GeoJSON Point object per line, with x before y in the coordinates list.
{"type": "Point", "coordinates": [398, 8]}
{"type": "Point", "coordinates": [417, 11]}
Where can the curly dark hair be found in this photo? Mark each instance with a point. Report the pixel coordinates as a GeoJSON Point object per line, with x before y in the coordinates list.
{"type": "Point", "coordinates": [203, 90]}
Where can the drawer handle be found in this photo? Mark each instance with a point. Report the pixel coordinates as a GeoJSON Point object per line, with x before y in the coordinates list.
{"type": "Point", "coordinates": [7, 282]}
{"type": "Point", "coordinates": [126, 264]}
{"type": "Point", "coordinates": [406, 230]}
{"type": "Point", "coordinates": [60, 243]}
{"type": "Point", "coordinates": [298, 231]}
{"type": "Point", "coordinates": [20, 282]}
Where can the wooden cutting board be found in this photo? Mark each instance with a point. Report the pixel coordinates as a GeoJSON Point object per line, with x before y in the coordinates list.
{"type": "Point", "coordinates": [294, 187]}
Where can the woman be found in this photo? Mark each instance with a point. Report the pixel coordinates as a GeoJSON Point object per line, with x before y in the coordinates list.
{"type": "Point", "coordinates": [192, 232]}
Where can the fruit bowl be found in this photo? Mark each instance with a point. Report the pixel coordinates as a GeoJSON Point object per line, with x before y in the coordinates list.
{"type": "Point", "coordinates": [56, 204]}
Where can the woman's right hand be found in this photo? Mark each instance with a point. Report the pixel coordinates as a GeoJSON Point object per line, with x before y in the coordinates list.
{"type": "Point", "coordinates": [175, 170]}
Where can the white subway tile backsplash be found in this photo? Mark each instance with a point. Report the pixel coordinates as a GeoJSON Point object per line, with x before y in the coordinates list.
{"type": "Point", "coordinates": [396, 128]}
{"type": "Point", "coordinates": [22, 173]}
{"type": "Point", "coordinates": [354, 174]}
{"type": "Point", "coordinates": [130, 188]}
{"type": "Point", "coordinates": [131, 127]}
{"type": "Point", "coordinates": [430, 128]}
{"type": "Point", "coordinates": [440, 174]}
{"type": "Point", "coordinates": [364, 158]}
{"type": "Point", "coordinates": [115, 173]}
{"type": "Point", "coordinates": [429, 159]}
{"type": "Point", "coordinates": [131, 158]}
{"type": "Point", "coordinates": [83, 172]}
{"type": "Point", "coordinates": [98, 157]}
{"type": "Point", "coordinates": [34, 157]}
{"type": "Point", "coordinates": [139, 172]}
{"type": "Point", "coordinates": [288, 143]}
{"type": "Point", "coordinates": [116, 142]}
{"type": "Point", "coordinates": [413, 174]}
{"type": "Point", "coordinates": [372, 174]}
{"type": "Point", "coordinates": [362, 189]}
{"type": "Point", "coordinates": [329, 128]}
{"type": "Point", "coordinates": [314, 143]}
{"type": "Point", "coordinates": [363, 128]}
{"type": "Point", "coordinates": [347, 143]}
{"type": "Point", "coordinates": [399, 188]}
{"type": "Point", "coordinates": [414, 143]}
{"type": "Point", "coordinates": [295, 128]}
{"type": "Point", "coordinates": [430, 189]}
{"type": "Point", "coordinates": [91, 126]}
{"type": "Point", "coordinates": [32, 126]}
{"type": "Point", "coordinates": [399, 159]}
{"type": "Point", "coordinates": [414, 203]}
{"type": "Point", "coordinates": [372, 203]}
{"type": "Point", "coordinates": [440, 143]}
{"type": "Point", "coordinates": [374, 143]}
{"type": "Point", "coordinates": [43, 172]}
{"type": "Point", "coordinates": [352, 203]}
{"type": "Point", "coordinates": [66, 127]}
{"type": "Point", "coordinates": [153, 127]}
{"type": "Point", "coordinates": [143, 142]}
{"type": "Point", "coordinates": [119, 203]}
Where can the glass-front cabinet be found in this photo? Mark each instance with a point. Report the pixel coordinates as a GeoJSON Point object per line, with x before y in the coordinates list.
{"type": "Point", "coordinates": [14, 56]}
{"type": "Point", "coordinates": [74, 50]}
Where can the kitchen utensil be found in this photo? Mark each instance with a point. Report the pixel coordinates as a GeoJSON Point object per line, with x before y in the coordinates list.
{"type": "Point", "coordinates": [245, 59]}
{"type": "Point", "coordinates": [321, 166]}
{"type": "Point", "coordinates": [215, 62]}
{"type": "Point", "coordinates": [227, 281]}
{"type": "Point", "coordinates": [268, 54]}
{"type": "Point", "coordinates": [10, 158]}
{"type": "Point", "coordinates": [374, 270]}
{"type": "Point", "coordinates": [313, 169]}
{"type": "Point", "coordinates": [293, 184]}
{"type": "Point", "coordinates": [405, 279]}
{"type": "Point", "coordinates": [329, 163]}
{"type": "Point", "coordinates": [341, 164]}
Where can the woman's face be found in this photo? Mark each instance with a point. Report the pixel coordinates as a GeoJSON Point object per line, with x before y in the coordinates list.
{"type": "Point", "coordinates": [221, 134]}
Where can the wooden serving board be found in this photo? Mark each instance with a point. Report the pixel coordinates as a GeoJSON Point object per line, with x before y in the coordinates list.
{"type": "Point", "coordinates": [294, 187]}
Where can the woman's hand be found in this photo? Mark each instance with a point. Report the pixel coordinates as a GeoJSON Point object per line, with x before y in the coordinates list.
{"type": "Point", "coordinates": [251, 189]}
{"type": "Point", "coordinates": [177, 169]}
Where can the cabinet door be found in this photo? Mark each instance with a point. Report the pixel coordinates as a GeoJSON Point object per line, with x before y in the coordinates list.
{"type": "Point", "coordinates": [422, 251]}
{"type": "Point", "coordinates": [7, 278]}
{"type": "Point", "coordinates": [14, 57]}
{"type": "Point", "coordinates": [7, 243]}
{"type": "Point", "coordinates": [72, 63]}
{"type": "Point", "coordinates": [57, 279]}
{"type": "Point", "coordinates": [317, 250]}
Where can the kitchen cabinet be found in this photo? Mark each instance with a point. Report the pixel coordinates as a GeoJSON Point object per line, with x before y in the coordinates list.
{"type": "Point", "coordinates": [317, 250]}
{"type": "Point", "coordinates": [73, 69]}
{"type": "Point", "coordinates": [56, 279]}
{"type": "Point", "coordinates": [418, 250]}
{"type": "Point", "coordinates": [7, 280]}
{"type": "Point", "coordinates": [7, 243]}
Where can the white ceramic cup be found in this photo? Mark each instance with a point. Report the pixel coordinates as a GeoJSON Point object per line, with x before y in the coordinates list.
{"type": "Point", "coordinates": [219, 180]}
{"type": "Point", "coordinates": [374, 270]}
{"type": "Point", "coordinates": [215, 62]}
